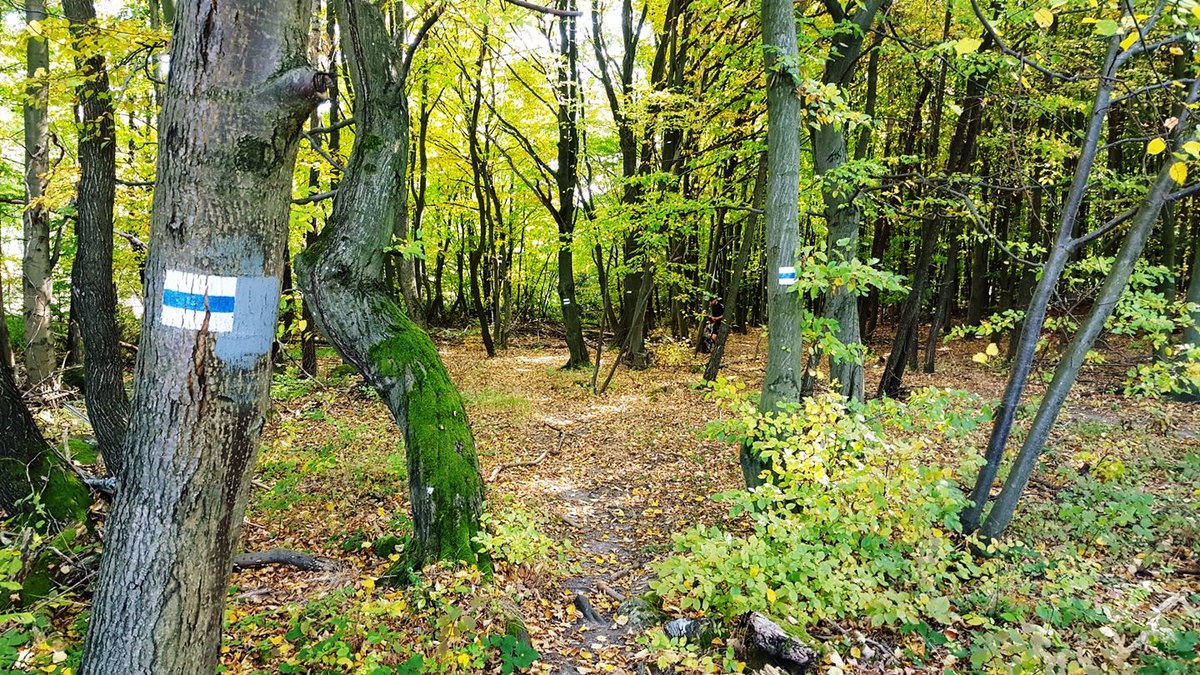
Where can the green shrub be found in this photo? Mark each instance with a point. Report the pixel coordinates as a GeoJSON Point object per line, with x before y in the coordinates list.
{"type": "Point", "coordinates": [848, 525]}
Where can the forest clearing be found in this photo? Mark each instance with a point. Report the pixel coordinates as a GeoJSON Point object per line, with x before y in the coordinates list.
{"type": "Point", "coordinates": [387, 337]}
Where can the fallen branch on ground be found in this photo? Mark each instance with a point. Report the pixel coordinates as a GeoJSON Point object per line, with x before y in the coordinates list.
{"type": "Point", "coordinates": [284, 556]}
{"type": "Point", "coordinates": [562, 433]}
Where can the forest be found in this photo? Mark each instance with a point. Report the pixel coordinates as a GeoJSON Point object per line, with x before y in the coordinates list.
{"type": "Point", "coordinates": [607, 336]}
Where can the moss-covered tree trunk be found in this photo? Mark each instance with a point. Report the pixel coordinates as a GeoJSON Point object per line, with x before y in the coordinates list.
{"type": "Point", "coordinates": [238, 93]}
{"type": "Point", "coordinates": [342, 278]}
{"type": "Point", "coordinates": [32, 475]}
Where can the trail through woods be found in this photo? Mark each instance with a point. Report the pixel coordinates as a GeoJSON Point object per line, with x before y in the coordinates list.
{"type": "Point", "coordinates": [615, 476]}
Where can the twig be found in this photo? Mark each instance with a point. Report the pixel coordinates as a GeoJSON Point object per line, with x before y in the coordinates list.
{"type": "Point", "coordinates": [512, 465]}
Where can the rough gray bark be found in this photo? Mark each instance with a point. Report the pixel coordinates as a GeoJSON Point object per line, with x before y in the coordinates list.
{"type": "Point", "coordinates": [342, 276]}
{"type": "Point", "coordinates": [93, 293]}
{"type": "Point", "coordinates": [36, 267]}
{"type": "Point", "coordinates": [781, 384]}
{"type": "Point", "coordinates": [236, 99]}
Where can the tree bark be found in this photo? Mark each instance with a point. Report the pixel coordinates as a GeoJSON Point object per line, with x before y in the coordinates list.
{"type": "Point", "coordinates": [235, 103]}
{"type": "Point", "coordinates": [36, 267]}
{"type": "Point", "coordinates": [567, 178]}
{"type": "Point", "coordinates": [342, 275]}
{"type": "Point", "coordinates": [1035, 315]}
{"type": "Point", "coordinates": [93, 293]}
{"type": "Point", "coordinates": [781, 384]}
{"type": "Point", "coordinates": [842, 213]}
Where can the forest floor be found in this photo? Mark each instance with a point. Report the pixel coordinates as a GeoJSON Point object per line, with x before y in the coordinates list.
{"type": "Point", "coordinates": [618, 475]}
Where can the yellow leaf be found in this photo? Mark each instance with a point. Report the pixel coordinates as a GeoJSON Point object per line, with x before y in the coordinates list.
{"type": "Point", "coordinates": [1044, 17]}
{"type": "Point", "coordinates": [1192, 148]}
{"type": "Point", "coordinates": [1156, 147]}
{"type": "Point", "coordinates": [1179, 172]}
{"type": "Point", "coordinates": [980, 358]}
{"type": "Point", "coordinates": [1130, 39]}
{"type": "Point", "coordinates": [771, 595]}
{"type": "Point", "coordinates": [967, 46]}
{"type": "Point", "coordinates": [992, 349]}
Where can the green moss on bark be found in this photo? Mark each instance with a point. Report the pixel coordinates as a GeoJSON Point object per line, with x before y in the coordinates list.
{"type": "Point", "coordinates": [444, 482]}
{"type": "Point", "coordinates": [49, 492]}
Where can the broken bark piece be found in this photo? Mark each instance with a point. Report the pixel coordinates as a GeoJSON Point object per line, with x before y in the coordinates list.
{"type": "Point", "coordinates": [585, 608]}
{"type": "Point", "coordinates": [766, 644]}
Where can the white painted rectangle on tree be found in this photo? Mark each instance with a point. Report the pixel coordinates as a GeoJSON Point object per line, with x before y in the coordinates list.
{"type": "Point", "coordinates": [193, 301]}
{"type": "Point", "coordinates": [787, 276]}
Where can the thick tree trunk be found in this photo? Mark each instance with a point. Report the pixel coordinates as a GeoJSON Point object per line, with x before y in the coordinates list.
{"type": "Point", "coordinates": [235, 103]}
{"type": "Point", "coordinates": [93, 293]}
{"type": "Point", "coordinates": [36, 267]}
{"type": "Point", "coordinates": [342, 275]}
{"type": "Point", "coordinates": [781, 384]}
{"type": "Point", "coordinates": [32, 475]}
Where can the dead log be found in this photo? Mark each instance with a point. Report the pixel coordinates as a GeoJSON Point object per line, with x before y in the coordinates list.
{"type": "Point", "coordinates": [766, 644]}
{"type": "Point", "coordinates": [284, 556]}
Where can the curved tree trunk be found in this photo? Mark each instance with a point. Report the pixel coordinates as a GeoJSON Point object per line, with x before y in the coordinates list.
{"type": "Point", "coordinates": [341, 276]}
{"type": "Point", "coordinates": [93, 293]}
{"type": "Point", "coordinates": [235, 103]}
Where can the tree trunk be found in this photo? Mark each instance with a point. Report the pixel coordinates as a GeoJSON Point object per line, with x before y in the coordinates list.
{"type": "Point", "coordinates": [842, 213]}
{"type": "Point", "coordinates": [93, 293]}
{"type": "Point", "coordinates": [1035, 315]}
{"type": "Point", "coordinates": [342, 274]}
{"type": "Point", "coordinates": [567, 179]}
{"type": "Point", "coordinates": [1068, 366]}
{"type": "Point", "coordinates": [6, 353]}
{"type": "Point", "coordinates": [235, 103]}
{"type": "Point", "coordinates": [749, 230]}
{"type": "Point", "coordinates": [781, 384]}
{"type": "Point", "coordinates": [31, 473]}
{"type": "Point", "coordinates": [36, 268]}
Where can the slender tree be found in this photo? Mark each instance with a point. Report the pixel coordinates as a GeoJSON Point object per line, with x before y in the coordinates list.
{"type": "Point", "coordinates": [37, 264]}
{"type": "Point", "coordinates": [93, 293]}
{"type": "Point", "coordinates": [235, 102]}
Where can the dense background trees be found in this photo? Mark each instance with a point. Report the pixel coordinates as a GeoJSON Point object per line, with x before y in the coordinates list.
{"type": "Point", "coordinates": [861, 180]}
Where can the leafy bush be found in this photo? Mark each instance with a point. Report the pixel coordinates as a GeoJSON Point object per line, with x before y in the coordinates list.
{"type": "Point", "coordinates": [847, 525]}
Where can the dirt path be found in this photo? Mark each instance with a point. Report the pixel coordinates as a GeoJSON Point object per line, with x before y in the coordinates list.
{"type": "Point", "coordinates": [633, 468]}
